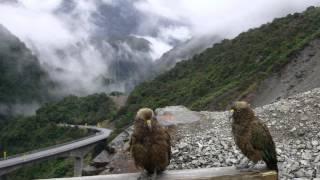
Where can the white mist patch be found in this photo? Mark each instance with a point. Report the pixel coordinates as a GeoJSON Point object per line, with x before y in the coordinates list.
{"type": "Point", "coordinates": [19, 109]}
{"type": "Point", "coordinates": [172, 33]}
{"type": "Point", "coordinates": [63, 35]}
{"type": "Point", "coordinates": [160, 8]}
{"type": "Point", "coordinates": [158, 47]}
{"type": "Point", "coordinates": [227, 18]}
{"type": "Point", "coordinates": [44, 6]}
{"type": "Point", "coordinates": [40, 27]}
{"type": "Point", "coordinates": [60, 41]}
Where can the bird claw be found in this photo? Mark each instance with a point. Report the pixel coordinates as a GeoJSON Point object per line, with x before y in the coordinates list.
{"type": "Point", "coordinates": [247, 168]}
{"type": "Point", "coordinates": [146, 176]}
{"type": "Point", "coordinates": [143, 176]}
{"type": "Point", "coordinates": [242, 167]}
{"type": "Point", "coordinates": [154, 175]}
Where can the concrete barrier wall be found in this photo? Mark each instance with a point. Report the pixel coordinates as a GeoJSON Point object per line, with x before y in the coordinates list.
{"type": "Point", "coordinates": [222, 173]}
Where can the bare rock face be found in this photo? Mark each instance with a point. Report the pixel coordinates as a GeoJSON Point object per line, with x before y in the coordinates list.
{"type": "Point", "coordinates": [122, 139]}
{"type": "Point", "coordinates": [299, 75]}
{"type": "Point", "coordinates": [174, 115]}
{"type": "Point", "coordinates": [117, 156]}
{"type": "Point", "coordinates": [101, 160]}
{"type": "Point", "coordinates": [91, 170]}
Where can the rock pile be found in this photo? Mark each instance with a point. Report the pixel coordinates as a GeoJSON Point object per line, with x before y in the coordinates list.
{"type": "Point", "coordinates": [294, 124]}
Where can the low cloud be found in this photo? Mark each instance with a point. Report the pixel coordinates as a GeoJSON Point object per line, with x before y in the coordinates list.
{"type": "Point", "coordinates": [228, 17]}
{"type": "Point", "coordinates": [77, 50]}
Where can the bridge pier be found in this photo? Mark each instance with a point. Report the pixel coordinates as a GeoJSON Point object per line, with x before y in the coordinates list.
{"type": "Point", "coordinates": [78, 156]}
{"type": "Point", "coordinates": [78, 166]}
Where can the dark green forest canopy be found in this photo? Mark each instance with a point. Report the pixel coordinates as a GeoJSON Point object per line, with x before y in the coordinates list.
{"type": "Point", "coordinates": [79, 110]}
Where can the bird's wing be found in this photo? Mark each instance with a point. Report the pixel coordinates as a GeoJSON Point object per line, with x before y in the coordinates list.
{"type": "Point", "coordinates": [261, 140]}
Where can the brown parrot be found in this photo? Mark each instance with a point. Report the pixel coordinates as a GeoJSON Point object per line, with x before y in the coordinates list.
{"type": "Point", "coordinates": [252, 136]}
{"type": "Point", "coordinates": [150, 144]}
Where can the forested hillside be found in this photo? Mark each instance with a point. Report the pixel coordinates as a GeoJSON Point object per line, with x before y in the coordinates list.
{"type": "Point", "coordinates": [79, 110]}
{"type": "Point", "coordinates": [230, 70]}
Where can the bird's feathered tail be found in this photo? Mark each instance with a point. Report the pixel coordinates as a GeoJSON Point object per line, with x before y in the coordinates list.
{"type": "Point", "coordinates": [271, 159]}
{"type": "Point", "coordinates": [261, 140]}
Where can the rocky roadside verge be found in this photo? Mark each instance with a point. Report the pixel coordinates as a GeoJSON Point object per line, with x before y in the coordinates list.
{"type": "Point", "coordinates": [293, 122]}
{"type": "Point", "coordinates": [203, 139]}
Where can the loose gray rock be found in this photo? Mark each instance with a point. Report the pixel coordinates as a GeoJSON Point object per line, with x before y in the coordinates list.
{"type": "Point", "coordinates": [293, 122]}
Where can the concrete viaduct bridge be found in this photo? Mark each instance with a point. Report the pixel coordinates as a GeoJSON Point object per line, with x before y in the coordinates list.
{"type": "Point", "coordinates": [77, 149]}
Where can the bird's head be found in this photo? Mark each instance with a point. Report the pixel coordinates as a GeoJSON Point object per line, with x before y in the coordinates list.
{"type": "Point", "coordinates": [146, 115]}
{"type": "Point", "coordinates": [241, 109]}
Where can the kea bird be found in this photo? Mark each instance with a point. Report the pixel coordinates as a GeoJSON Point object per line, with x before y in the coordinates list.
{"type": "Point", "coordinates": [252, 136]}
{"type": "Point", "coordinates": [150, 143]}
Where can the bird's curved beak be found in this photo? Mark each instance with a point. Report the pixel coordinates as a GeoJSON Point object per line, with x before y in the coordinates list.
{"type": "Point", "coordinates": [149, 124]}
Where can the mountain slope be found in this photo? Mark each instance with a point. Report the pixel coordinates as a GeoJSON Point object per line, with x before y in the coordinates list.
{"type": "Point", "coordinates": [300, 75]}
{"type": "Point", "coordinates": [75, 110]}
{"type": "Point", "coordinates": [230, 70]}
{"type": "Point", "coordinates": [98, 45]}
{"type": "Point", "coordinates": [22, 80]}
{"type": "Point", "coordinates": [184, 51]}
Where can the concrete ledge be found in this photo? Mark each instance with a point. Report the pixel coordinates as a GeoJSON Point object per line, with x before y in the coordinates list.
{"type": "Point", "coordinates": [222, 173]}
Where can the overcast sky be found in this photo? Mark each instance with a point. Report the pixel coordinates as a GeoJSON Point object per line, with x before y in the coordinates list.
{"type": "Point", "coordinates": [224, 16]}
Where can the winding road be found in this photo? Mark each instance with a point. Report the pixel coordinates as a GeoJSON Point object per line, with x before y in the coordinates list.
{"type": "Point", "coordinates": [14, 162]}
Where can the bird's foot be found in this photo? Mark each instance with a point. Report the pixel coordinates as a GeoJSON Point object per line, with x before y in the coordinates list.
{"type": "Point", "coordinates": [154, 175]}
{"type": "Point", "coordinates": [242, 167]}
{"type": "Point", "coordinates": [143, 176]}
{"type": "Point", "coordinates": [247, 168]}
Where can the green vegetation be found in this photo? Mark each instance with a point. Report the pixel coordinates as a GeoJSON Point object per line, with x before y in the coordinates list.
{"type": "Point", "coordinates": [116, 93]}
{"type": "Point", "coordinates": [15, 136]}
{"type": "Point", "coordinates": [229, 70]}
{"type": "Point", "coordinates": [79, 110]}
{"type": "Point", "coordinates": [59, 167]}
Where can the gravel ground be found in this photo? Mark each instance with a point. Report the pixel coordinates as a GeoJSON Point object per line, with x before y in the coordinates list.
{"type": "Point", "coordinates": [293, 122]}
